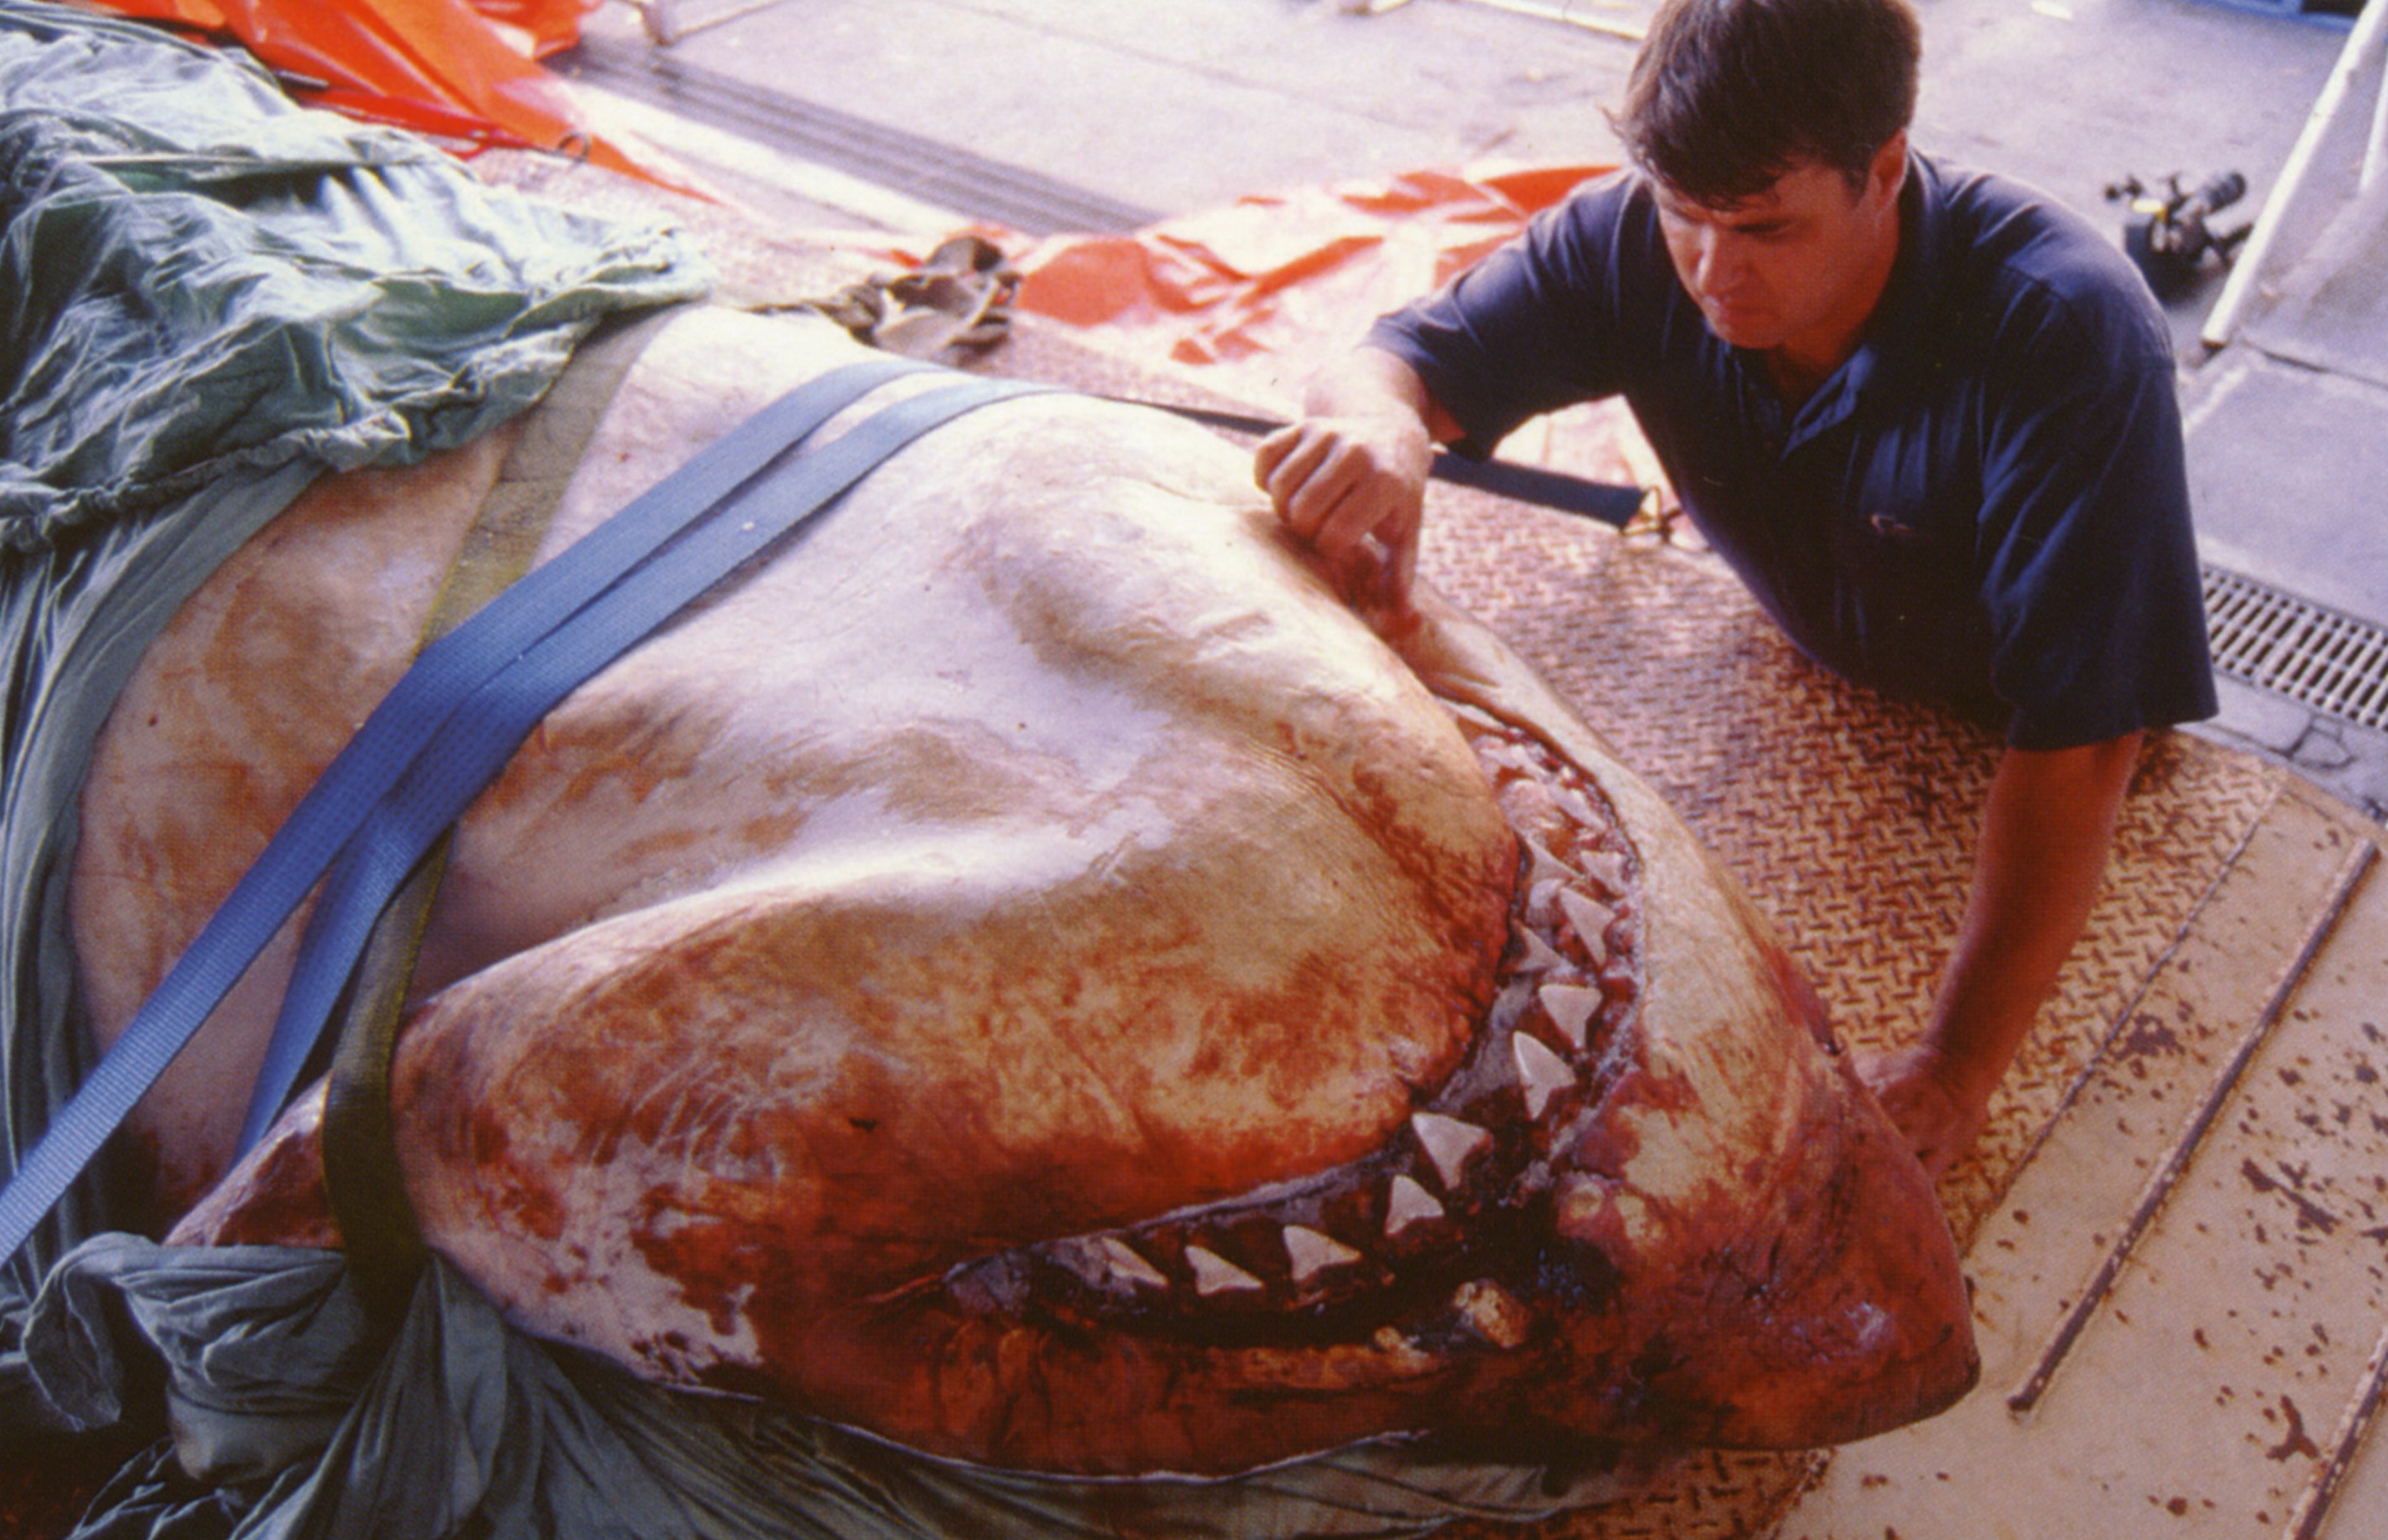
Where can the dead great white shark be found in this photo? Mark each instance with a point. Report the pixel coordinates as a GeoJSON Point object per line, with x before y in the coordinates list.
{"type": "Point", "coordinates": [1025, 972]}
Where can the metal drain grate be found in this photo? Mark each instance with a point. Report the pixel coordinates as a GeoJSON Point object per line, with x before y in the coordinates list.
{"type": "Point", "coordinates": [2334, 663]}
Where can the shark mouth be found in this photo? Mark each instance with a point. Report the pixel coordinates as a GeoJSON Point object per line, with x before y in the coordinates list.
{"type": "Point", "coordinates": [1447, 1234]}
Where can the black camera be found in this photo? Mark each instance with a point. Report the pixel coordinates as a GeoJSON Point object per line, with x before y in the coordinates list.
{"type": "Point", "coordinates": [2166, 234]}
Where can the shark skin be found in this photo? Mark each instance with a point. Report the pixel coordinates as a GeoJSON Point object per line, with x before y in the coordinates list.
{"type": "Point", "coordinates": [1025, 971]}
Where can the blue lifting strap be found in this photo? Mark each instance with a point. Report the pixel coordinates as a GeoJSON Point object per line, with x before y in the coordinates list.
{"type": "Point", "coordinates": [475, 744]}
{"type": "Point", "coordinates": [1612, 503]}
{"type": "Point", "coordinates": [397, 742]}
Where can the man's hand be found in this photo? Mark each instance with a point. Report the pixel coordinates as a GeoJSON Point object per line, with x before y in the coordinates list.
{"type": "Point", "coordinates": [1939, 1118]}
{"type": "Point", "coordinates": [1350, 478]}
{"type": "Point", "coordinates": [1353, 488]}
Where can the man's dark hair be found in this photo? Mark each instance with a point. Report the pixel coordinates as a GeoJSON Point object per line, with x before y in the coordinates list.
{"type": "Point", "coordinates": [1728, 95]}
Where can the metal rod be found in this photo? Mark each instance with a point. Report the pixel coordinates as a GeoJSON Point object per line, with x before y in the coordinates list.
{"type": "Point", "coordinates": [2314, 1507]}
{"type": "Point", "coordinates": [2375, 154]}
{"type": "Point", "coordinates": [2176, 1161]}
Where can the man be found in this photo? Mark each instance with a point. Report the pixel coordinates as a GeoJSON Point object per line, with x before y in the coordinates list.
{"type": "Point", "coordinates": [1927, 417]}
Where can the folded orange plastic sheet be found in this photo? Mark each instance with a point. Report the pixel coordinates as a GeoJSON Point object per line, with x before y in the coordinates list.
{"type": "Point", "coordinates": [550, 25]}
{"type": "Point", "coordinates": [461, 71]}
{"type": "Point", "coordinates": [1263, 290]}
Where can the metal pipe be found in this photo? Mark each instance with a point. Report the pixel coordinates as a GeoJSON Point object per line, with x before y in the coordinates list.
{"type": "Point", "coordinates": [2375, 154]}
{"type": "Point", "coordinates": [2312, 1508]}
{"type": "Point", "coordinates": [2370, 29]}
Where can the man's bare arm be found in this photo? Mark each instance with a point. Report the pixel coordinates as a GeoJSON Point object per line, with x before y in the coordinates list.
{"type": "Point", "coordinates": [1350, 477]}
{"type": "Point", "coordinates": [2046, 834]}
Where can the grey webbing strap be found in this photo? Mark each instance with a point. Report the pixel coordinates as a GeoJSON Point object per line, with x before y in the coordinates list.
{"type": "Point", "coordinates": [362, 1179]}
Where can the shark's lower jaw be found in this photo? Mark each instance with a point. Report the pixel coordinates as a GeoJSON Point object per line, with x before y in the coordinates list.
{"type": "Point", "coordinates": [1445, 1237]}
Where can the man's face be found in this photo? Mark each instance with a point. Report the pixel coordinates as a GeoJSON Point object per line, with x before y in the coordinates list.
{"type": "Point", "coordinates": [1797, 268]}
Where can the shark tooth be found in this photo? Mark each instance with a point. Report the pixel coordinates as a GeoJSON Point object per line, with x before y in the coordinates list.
{"type": "Point", "coordinates": [1213, 1274]}
{"type": "Point", "coordinates": [1506, 754]}
{"type": "Point", "coordinates": [1572, 801]}
{"type": "Point", "coordinates": [1127, 1262]}
{"type": "Point", "coordinates": [1542, 1073]}
{"type": "Point", "coordinates": [1590, 919]}
{"type": "Point", "coordinates": [1607, 868]}
{"type": "Point", "coordinates": [1312, 1252]}
{"type": "Point", "coordinates": [1493, 1314]}
{"type": "Point", "coordinates": [1408, 1204]}
{"type": "Point", "coordinates": [1449, 1143]}
{"type": "Point", "coordinates": [1539, 957]}
{"type": "Point", "coordinates": [1572, 1007]}
{"type": "Point", "coordinates": [1542, 866]}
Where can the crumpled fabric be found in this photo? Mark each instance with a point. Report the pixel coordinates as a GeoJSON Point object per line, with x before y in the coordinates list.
{"type": "Point", "coordinates": [210, 299]}
{"type": "Point", "coordinates": [460, 1424]}
{"type": "Point", "coordinates": [204, 281]}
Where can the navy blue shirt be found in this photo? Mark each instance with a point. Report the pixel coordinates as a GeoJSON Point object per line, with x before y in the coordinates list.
{"type": "Point", "coordinates": [1985, 505]}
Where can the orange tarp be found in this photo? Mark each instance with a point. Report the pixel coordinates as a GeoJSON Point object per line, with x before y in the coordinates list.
{"type": "Point", "coordinates": [1266, 288]}
{"type": "Point", "coordinates": [456, 69]}
{"type": "Point", "coordinates": [1258, 295]}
